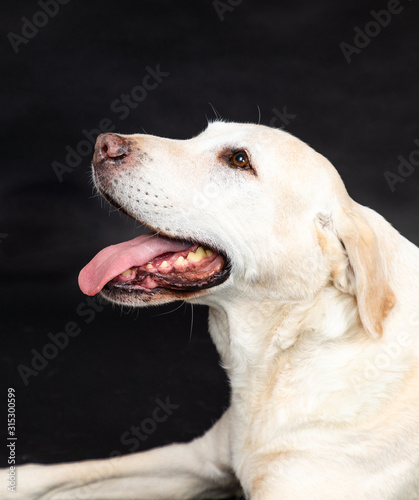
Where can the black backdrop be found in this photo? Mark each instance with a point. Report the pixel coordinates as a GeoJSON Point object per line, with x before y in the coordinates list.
{"type": "Point", "coordinates": [356, 103]}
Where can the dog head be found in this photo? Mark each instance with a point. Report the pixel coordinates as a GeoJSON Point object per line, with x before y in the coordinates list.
{"type": "Point", "coordinates": [239, 209]}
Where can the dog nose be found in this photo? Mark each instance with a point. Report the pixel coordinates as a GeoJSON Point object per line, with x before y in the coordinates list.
{"type": "Point", "coordinates": [111, 147]}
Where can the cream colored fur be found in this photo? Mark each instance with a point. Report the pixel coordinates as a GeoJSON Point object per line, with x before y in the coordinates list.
{"type": "Point", "coordinates": [317, 327]}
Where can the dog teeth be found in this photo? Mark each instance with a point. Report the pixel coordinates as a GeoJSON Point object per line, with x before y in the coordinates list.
{"type": "Point", "coordinates": [127, 272]}
{"type": "Point", "coordinates": [164, 264]}
{"type": "Point", "coordinates": [208, 252]}
{"type": "Point", "coordinates": [191, 257]}
{"type": "Point", "coordinates": [149, 266]}
{"type": "Point", "coordinates": [196, 256]}
{"type": "Point", "coordinates": [180, 261]}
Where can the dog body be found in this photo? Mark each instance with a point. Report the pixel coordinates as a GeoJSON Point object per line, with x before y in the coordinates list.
{"type": "Point", "coordinates": [313, 306]}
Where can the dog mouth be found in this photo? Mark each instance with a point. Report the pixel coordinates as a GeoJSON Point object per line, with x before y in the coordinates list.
{"type": "Point", "coordinates": [152, 266]}
{"type": "Point", "coordinates": [151, 263]}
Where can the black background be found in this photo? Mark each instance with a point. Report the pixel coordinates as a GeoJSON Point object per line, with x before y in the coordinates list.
{"type": "Point", "coordinates": [263, 55]}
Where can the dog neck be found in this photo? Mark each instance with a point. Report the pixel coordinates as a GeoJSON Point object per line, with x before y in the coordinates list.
{"type": "Point", "coordinates": [252, 337]}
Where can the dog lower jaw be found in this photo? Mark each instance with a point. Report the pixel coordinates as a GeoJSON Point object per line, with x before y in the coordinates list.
{"type": "Point", "coordinates": [146, 298]}
{"type": "Point", "coordinates": [167, 290]}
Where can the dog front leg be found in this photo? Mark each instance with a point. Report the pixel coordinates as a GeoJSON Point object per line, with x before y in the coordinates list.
{"type": "Point", "coordinates": [196, 470]}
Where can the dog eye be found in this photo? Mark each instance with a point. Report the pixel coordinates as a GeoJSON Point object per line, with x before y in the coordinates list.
{"type": "Point", "coordinates": [240, 160]}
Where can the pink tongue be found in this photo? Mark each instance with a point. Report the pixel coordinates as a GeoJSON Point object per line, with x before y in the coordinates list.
{"type": "Point", "coordinates": [116, 259]}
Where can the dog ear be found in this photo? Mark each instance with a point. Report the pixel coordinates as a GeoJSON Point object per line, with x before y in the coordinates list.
{"type": "Point", "coordinates": [362, 271]}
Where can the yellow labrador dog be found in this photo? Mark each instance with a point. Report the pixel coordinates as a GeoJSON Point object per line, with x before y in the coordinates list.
{"type": "Point", "coordinates": [313, 306]}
